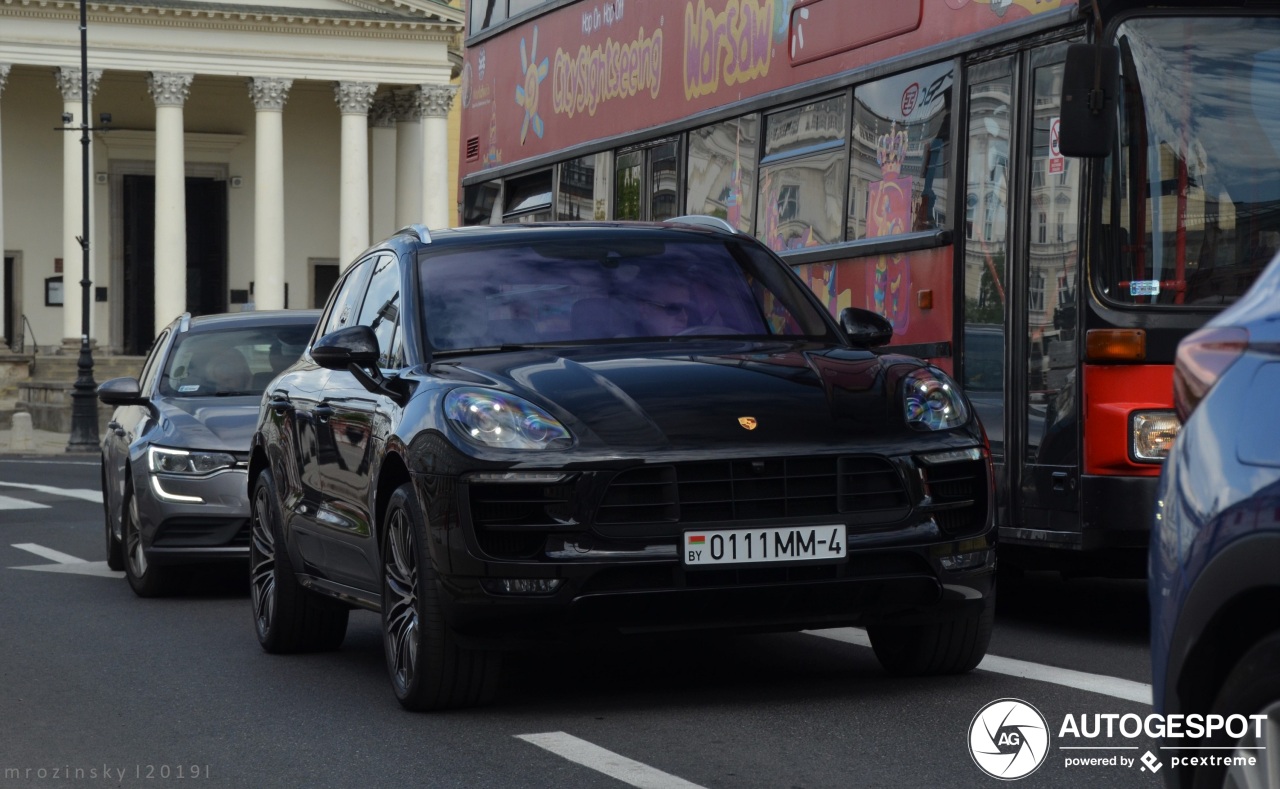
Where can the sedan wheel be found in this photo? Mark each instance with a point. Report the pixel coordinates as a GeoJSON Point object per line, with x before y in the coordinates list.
{"type": "Point", "coordinates": [286, 617]}
{"type": "Point", "coordinates": [146, 579]}
{"type": "Point", "coordinates": [115, 545]}
{"type": "Point", "coordinates": [429, 670]}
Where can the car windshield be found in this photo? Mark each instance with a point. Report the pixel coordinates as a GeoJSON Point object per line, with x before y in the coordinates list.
{"type": "Point", "coordinates": [230, 362]}
{"type": "Point", "coordinates": [628, 285]}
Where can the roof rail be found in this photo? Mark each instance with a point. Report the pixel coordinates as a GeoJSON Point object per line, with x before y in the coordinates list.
{"type": "Point", "coordinates": [184, 322]}
{"type": "Point", "coordinates": [702, 220]}
{"type": "Point", "coordinates": [419, 231]}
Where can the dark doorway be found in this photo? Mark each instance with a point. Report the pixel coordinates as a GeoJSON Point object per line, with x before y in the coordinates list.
{"type": "Point", "coordinates": [326, 277]}
{"type": "Point", "coordinates": [10, 303]}
{"type": "Point", "coordinates": [206, 254]}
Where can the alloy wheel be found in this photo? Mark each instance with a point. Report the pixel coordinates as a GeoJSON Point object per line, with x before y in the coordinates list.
{"type": "Point", "coordinates": [262, 579]}
{"type": "Point", "coordinates": [134, 553]}
{"type": "Point", "coordinates": [1266, 750]}
{"type": "Point", "coordinates": [401, 600]}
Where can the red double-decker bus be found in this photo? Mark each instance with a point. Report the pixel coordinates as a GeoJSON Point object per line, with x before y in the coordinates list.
{"type": "Point", "coordinates": [910, 158]}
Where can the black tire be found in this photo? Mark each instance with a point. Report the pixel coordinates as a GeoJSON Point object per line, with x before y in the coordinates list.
{"type": "Point", "coordinates": [145, 578]}
{"type": "Point", "coordinates": [115, 543]}
{"type": "Point", "coordinates": [429, 670]}
{"type": "Point", "coordinates": [951, 647]}
{"type": "Point", "coordinates": [1252, 688]}
{"type": "Point", "coordinates": [286, 617]}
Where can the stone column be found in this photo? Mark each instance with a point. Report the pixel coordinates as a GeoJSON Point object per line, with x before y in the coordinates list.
{"type": "Point", "coordinates": [353, 100]}
{"type": "Point", "coordinates": [68, 80]}
{"type": "Point", "coordinates": [269, 95]}
{"type": "Point", "coordinates": [436, 100]}
{"type": "Point", "coordinates": [408, 157]}
{"type": "Point", "coordinates": [382, 168]}
{"type": "Point", "coordinates": [4, 297]}
{"type": "Point", "coordinates": [170, 90]}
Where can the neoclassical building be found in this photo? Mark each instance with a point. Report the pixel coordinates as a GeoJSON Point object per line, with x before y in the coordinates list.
{"type": "Point", "coordinates": [242, 154]}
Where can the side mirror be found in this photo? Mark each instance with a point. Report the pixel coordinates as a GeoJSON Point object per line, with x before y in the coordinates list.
{"type": "Point", "coordinates": [865, 328]}
{"type": "Point", "coordinates": [1090, 85]}
{"type": "Point", "coordinates": [338, 350]}
{"type": "Point", "coordinates": [121, 391]}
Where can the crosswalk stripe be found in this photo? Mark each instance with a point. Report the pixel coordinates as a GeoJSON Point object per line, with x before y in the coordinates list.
{"type": "Point", "coordinates": [83, 494]}
{"type": "Point", "coordinates": [7, 503]}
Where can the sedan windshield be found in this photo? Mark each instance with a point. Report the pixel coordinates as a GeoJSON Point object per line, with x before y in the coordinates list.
{"type": "Point", "coordinates": [230, 362]}
{"type": "Point", "coordinates": [623, 286]}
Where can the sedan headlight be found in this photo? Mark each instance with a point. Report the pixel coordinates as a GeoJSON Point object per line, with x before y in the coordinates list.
{"type": "Point", "coordinates": [931, 401]}
{"type": "Point", "coordinates": [495, 419]}
{"type": "Point", "coordinates": [184, 461]}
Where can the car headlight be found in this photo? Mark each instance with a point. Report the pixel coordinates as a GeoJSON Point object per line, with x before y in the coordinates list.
{"type": "Point", "coordinates": [495, 419]}
{"type": "Point", "coordinates": [184, 461]}
{"type": "Point", "coordinates": [931, 401]}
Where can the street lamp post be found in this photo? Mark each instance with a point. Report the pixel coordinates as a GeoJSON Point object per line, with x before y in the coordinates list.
{"type": "Point", "coordinates": [84, 407]}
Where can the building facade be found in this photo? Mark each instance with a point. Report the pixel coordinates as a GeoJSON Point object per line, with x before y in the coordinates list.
{"type": "Point", "coordinates": [241, 155]}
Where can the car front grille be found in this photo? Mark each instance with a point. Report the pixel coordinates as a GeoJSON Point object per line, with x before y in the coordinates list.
{"type": "Point", "coordinates": [756, 489]}
{"type": "Point", "coordinates": [512, 519]}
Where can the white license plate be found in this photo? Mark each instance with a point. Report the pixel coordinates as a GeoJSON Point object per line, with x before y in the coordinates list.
{"type": "Point", "coordinates": [749, 546]}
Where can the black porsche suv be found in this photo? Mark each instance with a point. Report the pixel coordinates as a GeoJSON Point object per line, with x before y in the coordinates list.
{"type": "Point", "coordinates": [499, 435]}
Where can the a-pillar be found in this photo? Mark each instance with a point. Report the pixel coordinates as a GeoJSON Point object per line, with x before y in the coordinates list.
{"type": "Point", "coordinates": [408, 157]}
{"type": "Point", "coordinates": [4, 297]}
{"type": "Point", "coordinates": [269, 95]}
{"type": "Point", "coordinates": [382, 168]}
{"type": "Point", "coordinates": [436, 100]}
{"type": "Point", "coordinates": [353, 100]}
{"type": "Point", "coordinates": [73, 198]}
{"type": "Point", "coordinates": [170, 90]}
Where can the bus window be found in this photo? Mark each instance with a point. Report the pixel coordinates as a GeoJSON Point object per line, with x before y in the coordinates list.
{"type": "Point", "coordinates": [901, 161]}
{"type": "Point", "coordinates": [722, 170]}
{"type": "Point", "coordinates": [1196, 211]}
{"type": "Point", "coordinates": [478, 202]}
{"type": "Point", "coordinates": [528, 199]}
{"type": "Point", "coordinates": [664, 181]}
{"type": "Point", "coordinates": [647, 182]}
{"type": "Point", "coordinates": [802, 175]}
{"type": "Point", "coordinates": [582, 193]}
{"type": "Point", "coordinates": [627, 169]}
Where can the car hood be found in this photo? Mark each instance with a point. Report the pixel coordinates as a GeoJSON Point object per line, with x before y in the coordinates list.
{"type": "Point", "coordinates": [224, 423]}
{"type": "Point", "coordinates": [694, 396]}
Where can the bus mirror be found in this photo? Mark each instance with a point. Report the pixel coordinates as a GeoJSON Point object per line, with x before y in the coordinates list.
{"type": "Point", "coordinates": [1090, 82]}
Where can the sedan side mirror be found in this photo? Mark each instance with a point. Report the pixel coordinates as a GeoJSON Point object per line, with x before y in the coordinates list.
{"type": "Point", "coordinates": [121, 391]}
{"type": "Point", "coordinates": [865, 328]}
{"type": "Point", "coordinates": [339, 350]}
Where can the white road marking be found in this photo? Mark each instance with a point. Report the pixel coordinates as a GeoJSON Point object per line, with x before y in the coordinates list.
{"type": "Point", "coordinates": [28, 462]}
{"type": "Point", "coordinates": [1094, 683]}
{"type": "Point", "coordinates": [611, 764]}
{"type": "Point", "coordinates": [7, 503]}
{"type": "Point", "coordinates": [48, 553]}
{"type": "Point", "coordinates": [66, 563]}
{"type": "Point", "coordinates": [83, 494]}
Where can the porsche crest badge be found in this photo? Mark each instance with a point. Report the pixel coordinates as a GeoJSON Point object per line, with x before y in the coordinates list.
{"type": "Point", "coordinates": [748, 422]}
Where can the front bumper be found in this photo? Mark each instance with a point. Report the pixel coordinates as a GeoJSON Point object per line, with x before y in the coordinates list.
{"type": "Point", "coordinates": [194, 519]}
{"type": "Point", "coordinates": [929, 557]}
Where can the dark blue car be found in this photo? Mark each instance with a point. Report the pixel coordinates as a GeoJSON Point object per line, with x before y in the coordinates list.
{"type": "Point", "coordinates": [1215, 550]}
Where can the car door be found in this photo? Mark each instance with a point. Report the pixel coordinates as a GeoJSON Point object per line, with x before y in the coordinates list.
{"type": "Point", "coordinates": [355, 417]}
{"type": "Point", "coordinates": [302, 396]}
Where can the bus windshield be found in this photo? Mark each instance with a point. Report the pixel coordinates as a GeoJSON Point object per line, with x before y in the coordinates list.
{"type": "Point", "coordinates": [1194, 213]}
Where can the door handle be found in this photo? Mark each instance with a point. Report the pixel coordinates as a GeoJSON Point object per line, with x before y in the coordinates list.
{"type": "Point", "coordinates": [1060, 481]}
{"type": "Point", "coordinates": [322, 413]}
{"type": "Point", "coordinates": [280, 405]}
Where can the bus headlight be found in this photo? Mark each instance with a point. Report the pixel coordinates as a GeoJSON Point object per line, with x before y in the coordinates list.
{"type": "Point", "coordinates": [931, 401]}
{"type": "Point", "coordinates": [1151, 435]}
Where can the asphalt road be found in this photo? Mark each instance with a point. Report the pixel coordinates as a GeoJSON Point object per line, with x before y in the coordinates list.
{"type": "Point", "coordinates": [100, 688]}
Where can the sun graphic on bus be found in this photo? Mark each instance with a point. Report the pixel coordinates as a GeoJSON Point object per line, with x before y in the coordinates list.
{"type": "Point", "coordinates": [527, 94]}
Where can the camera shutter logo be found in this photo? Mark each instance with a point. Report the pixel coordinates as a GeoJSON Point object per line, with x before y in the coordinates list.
{"type": "Point", "coordinates": [1008, 739]}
